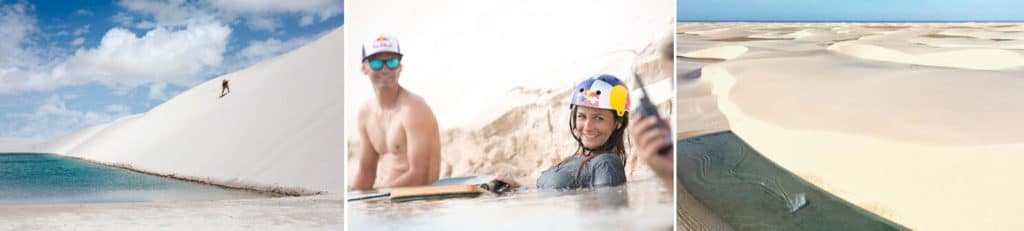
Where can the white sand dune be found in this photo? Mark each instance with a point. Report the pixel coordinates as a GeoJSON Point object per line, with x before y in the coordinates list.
{"type": "Point", "coordinates": [280, 129]}
{"type": "Point", "coordinates": [498, 77]}
{"type": "Point", "coordinates": [785, 35]}
{"type": "Point", "coordinates": [932, 146]}
{"type": "Point", "coordinates": [969, 43]}
{"type": "Point", "coordinates": [984, 33]}
{"type": "Point", "coordinates": [721, 52]}
{"type": "Point", "coordinates": [978, 59]}
{"type": "Point", "coordinates": [704, 31]}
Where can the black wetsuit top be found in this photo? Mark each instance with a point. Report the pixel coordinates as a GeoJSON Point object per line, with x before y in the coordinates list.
{"type": "Point", "coordinates": [603, 170]}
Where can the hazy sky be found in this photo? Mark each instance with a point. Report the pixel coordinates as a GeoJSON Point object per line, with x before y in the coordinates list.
{"type": "Point", "coordinates": [66, 65]}
{"type": "Point", "coordinates": [850, 10]}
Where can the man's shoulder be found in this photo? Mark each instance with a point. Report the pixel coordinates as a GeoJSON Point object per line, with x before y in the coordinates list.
{"type": "Point", "coordinates": [417, 111]}
{"type": "Point", "coordinates": [367, 105]}
{"type": "Point", "coordinates": [365, 108]}
{"type": "Point", "coordinates": [413, 103]}
{"type": "Point", "coordinates": [413, 99]}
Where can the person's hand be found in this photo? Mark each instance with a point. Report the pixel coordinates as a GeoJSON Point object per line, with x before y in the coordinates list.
{"type": "Point", "coordinates": [512, 184]}
{"type": "Point", "coordinates": [648, 138]}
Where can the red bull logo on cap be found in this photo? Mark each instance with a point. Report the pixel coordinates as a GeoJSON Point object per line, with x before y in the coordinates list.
{"type": "Point", "coordinates": [382, 43]}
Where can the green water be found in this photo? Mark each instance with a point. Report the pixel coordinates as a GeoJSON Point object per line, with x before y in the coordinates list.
{"type": "Point", "coordinates": [46, 179]}
{"type": "Point", "coordinates": [750, 192]}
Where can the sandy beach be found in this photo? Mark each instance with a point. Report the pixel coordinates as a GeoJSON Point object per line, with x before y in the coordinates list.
{"type": "Point", "coordinates": [914, 122]}
{"type": "Point", "coordinates": [322, 212]}
{"type": "Point", "coordinates": [507, 114]}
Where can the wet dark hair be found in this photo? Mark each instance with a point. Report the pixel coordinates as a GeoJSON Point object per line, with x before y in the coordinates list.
{"type": "Point", "coordinates": [616, 143]}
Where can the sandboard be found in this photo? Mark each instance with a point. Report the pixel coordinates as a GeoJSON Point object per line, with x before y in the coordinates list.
{"type": "Point", "coordinates": [747, 191]}
{"type": "Point", "coordinates": [457, 187]}
{"type": "Point", "coordinates": [435, 192]}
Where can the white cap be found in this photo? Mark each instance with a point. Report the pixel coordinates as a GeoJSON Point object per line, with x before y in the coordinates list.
{"type": "Point", "coordinates": [381, 44]}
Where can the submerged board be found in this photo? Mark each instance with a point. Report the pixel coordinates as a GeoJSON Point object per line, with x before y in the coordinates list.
{"type": "Point", "coordinates": [457, 187]}
{"type": "Point", "coordinates": [747, 191]}
{"type": "Point", "coordinates": [435, 192]}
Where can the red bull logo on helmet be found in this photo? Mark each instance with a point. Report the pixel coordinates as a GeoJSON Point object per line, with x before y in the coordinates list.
{"type": "Point", "coordinates": [591, 97]}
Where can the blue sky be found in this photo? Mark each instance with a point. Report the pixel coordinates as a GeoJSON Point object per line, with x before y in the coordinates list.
{"type": "Point", "coordinates": [849, 10]}
{"type": "Point", "coordinates": [67, 65]}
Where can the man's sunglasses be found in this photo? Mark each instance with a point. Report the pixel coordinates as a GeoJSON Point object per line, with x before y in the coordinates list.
{"type": "Point", "coordinates": [377, 64]}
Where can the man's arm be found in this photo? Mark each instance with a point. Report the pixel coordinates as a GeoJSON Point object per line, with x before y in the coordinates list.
{"type": "Point", "coordinates": [366, 173]}
{"type": "Point", "coordinates": [423, 139]}
{"type": "Point", "coordinates": [648, 138]}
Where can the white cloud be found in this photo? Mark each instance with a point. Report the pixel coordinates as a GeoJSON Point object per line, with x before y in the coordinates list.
{"type": "Point", "coordinates": [118, 108]}
{"type": "Point", "coordinates": [263, 23]}
{"type": "Point", "coordinates": [169, 12]}
{"type": "Point", "coordinates": [122, 19]}
{"type": "Point", "coordinates": [15, 26]}
{"type": "Point", "coordinates": [161, 55]}
{"type": "Point", "coordinates": [83, 12]}
{"type": "Point", "coordinates": [271, 47]}
{"type": "Point", "coordinates": [81, 30]}
{"type": "Point", "coordinates": [18, 61]}
{"type": "Point", "coordinates": [121, 61]}
{"type": "Point", "coordinates": [306, 20]}
{"type": "Point", "coordinates": [257, 14]}
{"type": "Point", "coordinates": [53, 118]}
{"type": "Point", "coordinates": [324, 9]}
{"type": "Point", "coordinates": [145, 25]}
{"type": "Point", "coordinates": [78, 41]}
{"type": "Point", "coordinates": [156, 91]}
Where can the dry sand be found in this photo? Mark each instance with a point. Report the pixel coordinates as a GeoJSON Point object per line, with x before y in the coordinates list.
{"type": "Point", "coordinates": [918, 128]}
{"type": "Point", "coordinates": [499, 85]}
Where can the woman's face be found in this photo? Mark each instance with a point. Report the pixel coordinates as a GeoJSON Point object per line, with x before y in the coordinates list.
{"type": "Point", "coordinates": [594, 126]}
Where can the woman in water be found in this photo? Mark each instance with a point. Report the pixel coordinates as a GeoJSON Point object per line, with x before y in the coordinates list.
{"type": "Point", "coordinates": [598, 121]}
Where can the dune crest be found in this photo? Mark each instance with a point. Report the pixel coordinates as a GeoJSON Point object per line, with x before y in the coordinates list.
{"type": "Point", "coordinates": [976, 59]}
{"type": "Point", "coordinates": [721, 52]}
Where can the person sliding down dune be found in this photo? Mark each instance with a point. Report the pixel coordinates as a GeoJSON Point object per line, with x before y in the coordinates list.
{"type": "Point", "coordinates": [224, 89]}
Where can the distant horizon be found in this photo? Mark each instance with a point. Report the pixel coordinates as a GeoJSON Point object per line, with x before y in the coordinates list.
{"type": "Point", "coordinates": [853, 21]}
{"type": "Point", "coordinates": [850, 11]}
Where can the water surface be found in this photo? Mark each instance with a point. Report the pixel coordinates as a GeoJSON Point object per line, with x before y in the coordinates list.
{"type": "Point", "coordinates": [46, 179]}
{"type": "Point", "coordinates": [638, 205]}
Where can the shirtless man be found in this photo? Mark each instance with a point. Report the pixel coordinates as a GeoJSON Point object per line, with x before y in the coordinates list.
{"type": "Point", "coordinates": [397, 130]}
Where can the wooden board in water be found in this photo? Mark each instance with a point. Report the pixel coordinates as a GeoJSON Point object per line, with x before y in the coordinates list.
{"type": "Point", "coordinates": [435, 192]}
